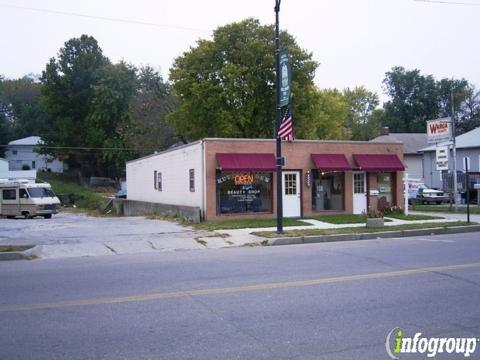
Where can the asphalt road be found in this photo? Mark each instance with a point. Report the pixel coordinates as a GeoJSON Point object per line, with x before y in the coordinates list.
{"type": "Point", "coordinates": [319, 301]}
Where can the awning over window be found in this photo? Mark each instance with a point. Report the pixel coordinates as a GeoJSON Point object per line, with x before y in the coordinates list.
{"type": "Point", "coordinates": [331, 162]}
{"type": "Point", "coordinates": [378, 162]}
{"type": "Point", "coordinates": [246, 162]}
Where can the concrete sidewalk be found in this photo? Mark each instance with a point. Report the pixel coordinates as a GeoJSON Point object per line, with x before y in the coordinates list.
{"type": "Point", "coordinates": [241, 237]}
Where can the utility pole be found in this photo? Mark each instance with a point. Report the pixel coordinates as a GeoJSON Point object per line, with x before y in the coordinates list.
{"type": "Point", "coordinates": [454, 162]}
{"type": "Point", "coordinates": [277, 121]}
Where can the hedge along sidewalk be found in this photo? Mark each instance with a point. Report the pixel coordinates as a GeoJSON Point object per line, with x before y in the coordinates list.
{"type": "Point", "coordinates": [355, 233]}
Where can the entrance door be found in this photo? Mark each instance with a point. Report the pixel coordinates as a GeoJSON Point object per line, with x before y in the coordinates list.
{"type": "Point", "coordinates": [291, 193]}
{"type": "Point", "coordinates": [359, 192]}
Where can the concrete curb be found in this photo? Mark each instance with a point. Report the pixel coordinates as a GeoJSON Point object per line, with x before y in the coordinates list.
{"type": "Point", "coordinates": [368, 236]}
{"type": "Point", "coordinates": [13, 255]}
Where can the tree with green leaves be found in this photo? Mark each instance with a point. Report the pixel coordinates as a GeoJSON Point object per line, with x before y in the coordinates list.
{"type": "Point", "coordinates": [19, 104]}
{"type": "Point", "coordinates": [416, 98]}
{"type": "Point", "coordinates": [466, 103]}
{"type": "Point", "coordinates": [325, 117]}
{"type": "Point", "coordinates": [413, 100]}
{"type": "Point", "coordinates": [226, 86]}
{"type": "Point", "coordinates": [468, 115]}
{"type": "Point", "coordinates": [361, 105]}
{"type": "Point", "coordinates": [152, 102]}
{"type": "Point", "coordinates": [88, 99]}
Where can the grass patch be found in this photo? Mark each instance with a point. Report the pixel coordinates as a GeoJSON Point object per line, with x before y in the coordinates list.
{"type": "Point", "coordinates": [340, 219]}
{"type": "Point", "coordinates": [67, 188]}
{"type": "Point", "coordinates": [245, 223]}
{"type": "Point", "coordinates": [357, 230]}
{"type": "Point", "coordinates": [11, 248]}
{"type": "Point", "coordinates": [474, 209]}
{"type": "Point", "coordinates": [412, 217]}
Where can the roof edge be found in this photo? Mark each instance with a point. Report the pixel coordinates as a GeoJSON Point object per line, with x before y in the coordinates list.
{"type": "Point", "coordinates": [165, 151]}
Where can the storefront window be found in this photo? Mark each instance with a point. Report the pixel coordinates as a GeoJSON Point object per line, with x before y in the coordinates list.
{"type": "Point", "coordinates": [247, 192]}
{"type": "Point", "coordinates": [384, 185]}
{"type": "Point", "coordinates": [327, 190]}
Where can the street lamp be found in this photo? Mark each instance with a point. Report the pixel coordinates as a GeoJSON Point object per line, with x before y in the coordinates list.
{"type": "Point", "coordinates": [277, 121]}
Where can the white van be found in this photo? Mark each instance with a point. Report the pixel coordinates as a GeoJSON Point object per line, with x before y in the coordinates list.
{"type": "Point", "coordinates": [23, 198]}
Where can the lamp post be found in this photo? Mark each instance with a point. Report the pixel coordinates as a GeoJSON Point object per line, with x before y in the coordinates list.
{"type": "Point", "coordinates": [277, 121]}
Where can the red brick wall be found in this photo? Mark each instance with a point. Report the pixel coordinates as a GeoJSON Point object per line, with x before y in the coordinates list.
{"type": "Point", "coordinates": [297, 157]}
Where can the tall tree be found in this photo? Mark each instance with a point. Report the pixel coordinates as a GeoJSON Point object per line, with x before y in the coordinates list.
{"type": "Point", "coordinates": [361, 105]}
{"type": "Point", "coordinates": [226, 86]}
{"type": "Point", "coordinates": [468, 114]}
{"type": "Point", "coordinates": [152, 102]}
{"type": "Point", "coordinates": [446, 87]}
{"type": "Point", "coordinates": [19, 103]}
{"type": "Point", "coordinates": [109, 118]}
{"type": "Point", "coordinates": [414, 100]}
{"type": "Point", "coordinates": [325, 117]}
{"type": "Point", "coordinates": [466, 103]}
{"type": "Point", "coordinates": [88, 100]}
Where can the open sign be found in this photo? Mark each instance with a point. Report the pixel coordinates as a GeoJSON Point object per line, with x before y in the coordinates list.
{"type": "Point", "coordinates": [244, 179]}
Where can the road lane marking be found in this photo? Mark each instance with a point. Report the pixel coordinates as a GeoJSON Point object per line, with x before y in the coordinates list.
{"type": "Point", "coordinates": [436, 240]}
{"type": "Point", "coordinates": [232, 290]}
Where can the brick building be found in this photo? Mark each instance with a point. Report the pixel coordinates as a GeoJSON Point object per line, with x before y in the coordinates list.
{"type": "Point", "coordinates": [225, 178]}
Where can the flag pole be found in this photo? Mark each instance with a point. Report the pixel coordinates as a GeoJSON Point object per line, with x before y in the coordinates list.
{"type": "Point", "coordinates": [277, 121]}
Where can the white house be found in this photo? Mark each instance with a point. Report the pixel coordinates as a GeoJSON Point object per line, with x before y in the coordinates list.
{"type": "Point", "coordinates": [6, 174]}
{"type": "Point", "coordinates": [21, 155]}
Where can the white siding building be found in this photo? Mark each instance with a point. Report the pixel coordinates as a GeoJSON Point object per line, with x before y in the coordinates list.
{"type": "Point", "coordinates": [175, 177]}
{"type": "Point", "coordinates": [6, 174]}
{"type": "Point", "coordinates": [21, 154]}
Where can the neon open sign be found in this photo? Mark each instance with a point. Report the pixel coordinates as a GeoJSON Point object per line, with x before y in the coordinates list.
{"type": "Point", "coordinates": [244, 179]}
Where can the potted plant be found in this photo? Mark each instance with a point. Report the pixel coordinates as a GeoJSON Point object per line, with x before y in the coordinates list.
{"type": "Point", "coordinates": [375, 218]}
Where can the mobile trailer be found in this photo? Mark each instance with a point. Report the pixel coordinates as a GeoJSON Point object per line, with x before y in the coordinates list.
{"type": "Point", "coordinates": [23, 198]}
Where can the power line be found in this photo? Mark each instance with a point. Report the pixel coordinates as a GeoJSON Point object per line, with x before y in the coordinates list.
{"type": "Point", "coordinates": [104, 18]}
{"type": "Point", "coordinates": [67, 148]}
{"type": "Point", "coordinates": [449, 2]}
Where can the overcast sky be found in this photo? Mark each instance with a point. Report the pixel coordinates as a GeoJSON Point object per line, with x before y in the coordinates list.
{"type": "Point", "coordinates": [356, 41]}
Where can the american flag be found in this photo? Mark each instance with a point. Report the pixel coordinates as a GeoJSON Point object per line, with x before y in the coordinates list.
{"type": "Point", "coordinates": [285, 132]}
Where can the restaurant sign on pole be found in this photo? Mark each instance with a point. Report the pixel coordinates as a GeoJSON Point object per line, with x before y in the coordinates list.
{"type": "Point", "coordinates": [439, 130]}
{"type": "Point", "coordinates": [442, 157]}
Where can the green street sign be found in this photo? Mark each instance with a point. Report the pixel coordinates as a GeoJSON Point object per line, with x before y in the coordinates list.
{"type": "Point", "coordinates": [285, 78]}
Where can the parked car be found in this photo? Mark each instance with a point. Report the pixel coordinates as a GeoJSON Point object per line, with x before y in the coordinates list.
{"type": "Point", "coordinates": [422, 193]}
{"type": "Point", "coordinates": [121, 194]}
{"type": "Point", "coordinates": [430, 196]}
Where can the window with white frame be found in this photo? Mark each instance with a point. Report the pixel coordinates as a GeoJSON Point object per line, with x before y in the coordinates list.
{"type": "Point", "coordinates": [191, 174]}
